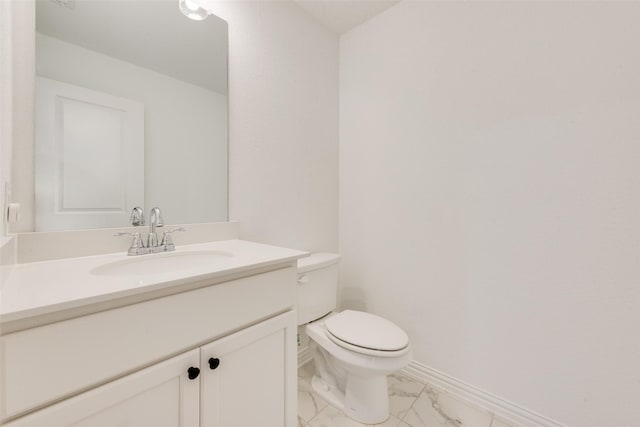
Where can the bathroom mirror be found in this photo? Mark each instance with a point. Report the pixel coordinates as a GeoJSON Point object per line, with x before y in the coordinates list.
{"type": "Point", "coordinates": [131, 110]}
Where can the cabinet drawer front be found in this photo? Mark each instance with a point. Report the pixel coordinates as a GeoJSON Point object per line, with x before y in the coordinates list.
{"type": "Point", "coordinates": [55, 361]}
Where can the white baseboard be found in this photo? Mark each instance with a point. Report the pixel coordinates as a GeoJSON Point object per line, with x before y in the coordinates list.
{"type": "Point", "coordinates": [504, 409]}
{"type": "Point", "coordinates": [508, 411]}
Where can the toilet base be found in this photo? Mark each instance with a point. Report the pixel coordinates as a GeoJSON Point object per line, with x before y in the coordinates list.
{"type": "Point", "coordinates": [331, 394]}
{"type": "Point", "coordinates": [365, 400]}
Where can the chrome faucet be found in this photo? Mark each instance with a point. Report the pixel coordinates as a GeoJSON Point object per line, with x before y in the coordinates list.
{"type": "Point", "coordinates": [167, 242]}
{"type": "Point", "coordinates": [155, 220]}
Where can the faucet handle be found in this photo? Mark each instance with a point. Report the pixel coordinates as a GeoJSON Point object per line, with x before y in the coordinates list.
{"type": "Point", "coordinates": [135, 235]}
{"type": "Point", "coordinates": [137, 216]}
{"type": "Point", "coordinates": [137, 247]}
{"type": "Point", "coordinates": [166, 236]}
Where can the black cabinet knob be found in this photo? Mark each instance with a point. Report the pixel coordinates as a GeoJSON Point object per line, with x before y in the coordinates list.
{"type": "Point", "coordinates": [193, 373]}
{"type": "Point", "coordinates": [214, 363]}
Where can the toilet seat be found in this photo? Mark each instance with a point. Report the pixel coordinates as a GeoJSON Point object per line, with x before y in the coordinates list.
{"type": "Point", "coordinates": [366, 333]}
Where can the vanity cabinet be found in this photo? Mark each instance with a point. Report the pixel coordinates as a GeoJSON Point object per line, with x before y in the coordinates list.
{"type": "Point", "coordinates": [240, 380]}
{"type": "Point", "coordinates": [218, 355]}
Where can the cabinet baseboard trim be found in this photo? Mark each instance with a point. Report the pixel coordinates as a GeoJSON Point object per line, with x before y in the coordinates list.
{"type": "Point", "coordinates": [508, 411]}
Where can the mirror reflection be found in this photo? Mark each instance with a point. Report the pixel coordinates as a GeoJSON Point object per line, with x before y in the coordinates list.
{"type": "Point", "coordinates": [131, 110]}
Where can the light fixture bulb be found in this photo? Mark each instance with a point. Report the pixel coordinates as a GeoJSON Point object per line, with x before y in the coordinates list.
{"type": "Point", "coordinates": [192, 10]}
{"type": "Point", "coordinates": [191, 5]}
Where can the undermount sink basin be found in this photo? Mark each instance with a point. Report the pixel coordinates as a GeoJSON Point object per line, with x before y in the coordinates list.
{"type": "Point", "coordinates": [162, 263]}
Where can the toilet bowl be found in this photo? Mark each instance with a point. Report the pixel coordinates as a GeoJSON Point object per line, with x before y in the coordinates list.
{"type": "Point", "coordinates": [353, 351]}
{"type": "Point", "coordinates": [353, 377]}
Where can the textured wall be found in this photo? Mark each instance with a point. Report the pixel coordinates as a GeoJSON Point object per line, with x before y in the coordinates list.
{"type": "Point", "coordinates": [489, 195]}
{"type": "Point", "coordinates": [17, 74]}
{"type": "Point", "coordinates": [283, 117]}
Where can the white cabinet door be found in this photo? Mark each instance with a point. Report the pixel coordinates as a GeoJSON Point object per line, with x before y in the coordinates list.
{"type": "Point", "coordinates": [249, 378]}
{"type": "Point", "coordinates": [162, 395]}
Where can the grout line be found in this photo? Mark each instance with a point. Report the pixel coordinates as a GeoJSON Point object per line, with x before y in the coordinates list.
{"type": "Point", "coordinates": [417, 396]}
{"type": "Point", "coordinates": [412, 403]}
{"type": "Point", "coordinates": [410, 407]}
{"type": "Point", "coordinates": [317, 413]}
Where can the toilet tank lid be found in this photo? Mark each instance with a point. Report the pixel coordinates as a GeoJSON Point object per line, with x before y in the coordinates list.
{"type": "Point", "coordinates": [317, 260]}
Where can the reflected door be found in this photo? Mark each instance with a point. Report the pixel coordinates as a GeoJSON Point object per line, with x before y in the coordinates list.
{"type": "Point", "coordinates": [89, 157]}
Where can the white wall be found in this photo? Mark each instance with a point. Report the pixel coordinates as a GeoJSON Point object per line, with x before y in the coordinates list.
{"type": "Point", "coordinates": [17, 61]}
{"type": "Point", "coordinates": [490, 195]}
{"type": "Point", "coordinates": [6, 107]}
{"type": "Point", "coordinates": [283, 115]}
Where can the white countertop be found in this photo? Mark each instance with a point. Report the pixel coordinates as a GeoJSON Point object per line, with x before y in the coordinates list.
{"type": "Point", "coordinates": [42, 288]}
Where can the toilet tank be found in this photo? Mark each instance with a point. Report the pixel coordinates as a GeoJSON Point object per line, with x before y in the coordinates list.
{"type": "Point", "coordinates": [317, 286]}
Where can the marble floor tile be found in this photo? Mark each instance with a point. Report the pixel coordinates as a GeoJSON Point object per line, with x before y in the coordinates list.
{"type": "Point", "coordinates": [433, 408]}
{"type": "Point", "coordinates": [332, 417]}
{"type": "Point", "coordinates": [309, 403]}
{"type": "Point", "coordinates": [411, 404]}
{"type": "Point", "coordinates": [403, 391]}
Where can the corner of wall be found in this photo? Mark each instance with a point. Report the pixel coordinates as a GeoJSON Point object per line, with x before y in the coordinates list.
{"type": "Point", "coordinates": [17, 32]}
{"type": "Point", "coordinates": [6, 106]}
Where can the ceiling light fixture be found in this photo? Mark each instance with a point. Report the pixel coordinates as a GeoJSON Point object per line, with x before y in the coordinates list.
{"type": "Point", "coordinates": [193, 10]}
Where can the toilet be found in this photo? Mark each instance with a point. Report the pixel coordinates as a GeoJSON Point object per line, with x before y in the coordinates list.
{"type": "Point", "coordinates": [353, 351]}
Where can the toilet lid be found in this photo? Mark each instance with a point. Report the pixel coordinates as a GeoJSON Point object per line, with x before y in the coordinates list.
{"type": "Point", "coordinates": [366, 330]}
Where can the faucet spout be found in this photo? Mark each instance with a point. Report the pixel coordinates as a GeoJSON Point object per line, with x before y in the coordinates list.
{"type": "Point", "coordinates": [155, 220]}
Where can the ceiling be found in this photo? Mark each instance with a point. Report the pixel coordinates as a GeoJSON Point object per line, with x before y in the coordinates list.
{"type": "Point", "coordinates": [341, 16]}
{"type": "Point", "coordinates": [165, 41]}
